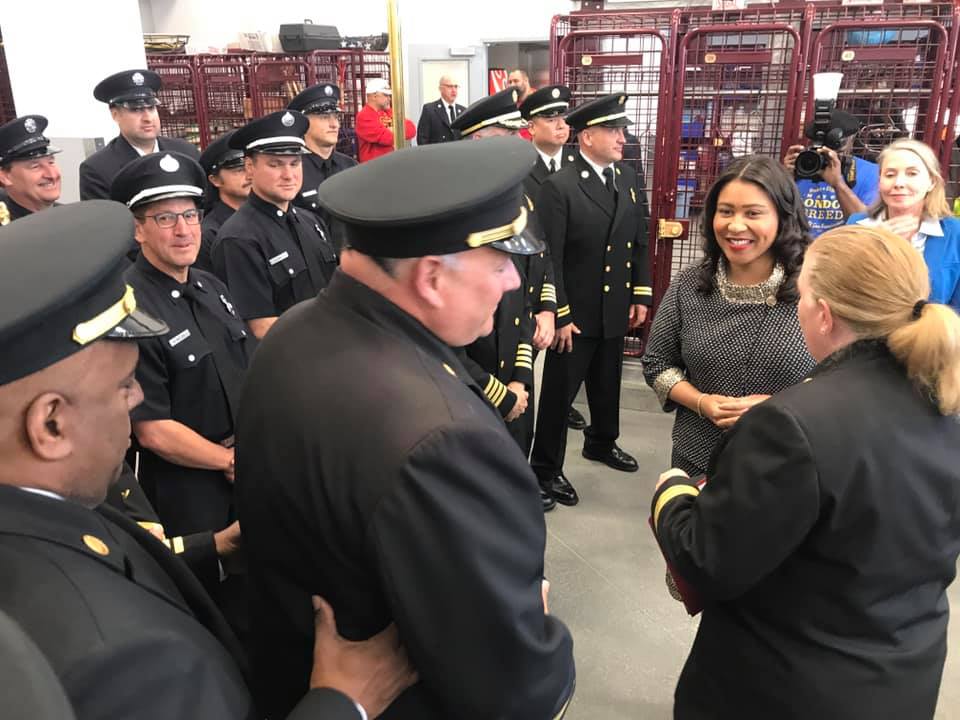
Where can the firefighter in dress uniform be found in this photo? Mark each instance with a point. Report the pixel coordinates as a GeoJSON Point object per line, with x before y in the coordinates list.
{"type": "Point", "coordinates": [271, 254]}
{"type": "Point", "coordinates": [591, 212]}
{"type": "Point", "coordinates": [321, 105]}
{"type": "Point", "coordinates": [502, 362]}
{"type": "Point", "coordinates": [131, 96]}
{"type": "Point", "coordinates": [383, 489]}
{"type": "Point", "coordinates": [191, 378]}
{"type": "Point", "coordinates": [227, 188]}
{"type": "Point", "coordinates": [29, 174]}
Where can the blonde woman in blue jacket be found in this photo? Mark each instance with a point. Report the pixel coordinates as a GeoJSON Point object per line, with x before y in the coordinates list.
{"type": "Point", "coordinates": [912, 204]}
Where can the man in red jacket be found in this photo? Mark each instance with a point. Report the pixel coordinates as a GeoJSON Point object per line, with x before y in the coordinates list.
{"type": "Point", "coordinates": [374, 126]}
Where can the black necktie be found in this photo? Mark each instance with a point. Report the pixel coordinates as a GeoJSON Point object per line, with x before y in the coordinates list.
{"type": "Point", "coordinates": [317, 277]}
{"type": "Point", "coordinates": [608, 175]}
{"type": "Point", "coordinates": [451, 113]}
{"type": "Point", "coordinates": [553, 166]}
{"type": "Point", "coordinates": [214, 331]}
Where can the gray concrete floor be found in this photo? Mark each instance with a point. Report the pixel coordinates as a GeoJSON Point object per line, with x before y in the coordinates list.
{"type": "Point", "coordinates": [607, 581]}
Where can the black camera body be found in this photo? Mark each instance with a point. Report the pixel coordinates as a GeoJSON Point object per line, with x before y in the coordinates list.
{"type": "Point", "coordinates": [810, 162]}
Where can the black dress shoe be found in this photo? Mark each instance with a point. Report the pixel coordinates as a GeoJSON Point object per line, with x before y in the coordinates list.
{"type": "Point", "coordinates": [575, 420]}
{"type": "Point", "coordinates": [547, 499]}
{"type": "Point", "coordinates": [561, 490]}
{"type": "Point", "coordinates": [614, 457]}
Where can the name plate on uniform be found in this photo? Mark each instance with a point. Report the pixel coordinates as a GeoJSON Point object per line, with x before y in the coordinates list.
{"type": "Point", "coordinates": [179, 338]}
{"type": "Point", "coordinates": [279, 258]}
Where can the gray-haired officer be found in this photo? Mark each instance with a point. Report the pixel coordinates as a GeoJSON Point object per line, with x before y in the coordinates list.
{"type": "Point", "coordinates": [29, 174]}
{"type": "Point", "coordinates": [379, 474]}
{"type": "Point", "coordinates": [321, 105]}
{"type": "Point", "coordinates": [271, 254]}
{"type": "Point", "coordinates": [131, 96]}
{"type": "Point", "coordinates": [125, 627]}
{"type": "Point", "coordinates": [228, 187]}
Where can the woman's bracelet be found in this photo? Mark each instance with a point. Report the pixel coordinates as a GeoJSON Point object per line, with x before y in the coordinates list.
{"type": "Point", "coordinates": [700, 400]}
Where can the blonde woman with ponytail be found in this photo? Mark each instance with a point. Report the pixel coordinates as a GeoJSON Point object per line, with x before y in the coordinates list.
{"type": "Point", "coordinates": [823, 543]}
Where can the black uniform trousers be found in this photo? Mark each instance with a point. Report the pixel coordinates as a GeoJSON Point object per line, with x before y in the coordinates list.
{"type": "Point", "coordinates": [598, 362]}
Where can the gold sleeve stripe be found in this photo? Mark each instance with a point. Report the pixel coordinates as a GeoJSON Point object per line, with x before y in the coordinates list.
{"type": "Point", "coordinates": [669, 494]}
{"type": "Point", "coordinates": [495, 391]}
{"type": "Point", "coordinates": [524, 364]}
{"type": "Point", "coordinates": [564, 311]}
{"type": "Point", "coordinates": [178, 545]}
{"type": "Point", "coordinates": [642, 290]}
{"type": "Point", "coordinates": [151, 527]}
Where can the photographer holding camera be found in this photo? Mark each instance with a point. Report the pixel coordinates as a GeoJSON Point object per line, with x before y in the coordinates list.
{"type": "Point", "coordinates": [840, 185]}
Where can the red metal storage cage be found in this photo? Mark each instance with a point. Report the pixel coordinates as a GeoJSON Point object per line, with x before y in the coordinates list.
{"type": "Point", "coordinates": [180, 114]}
{"type": "Point", "coordinates": [274, 82]}
{"type": "Point", "coordinates": [735, 94]}
{"type": "Point", "coordinates": [893, 75]}
{"type": "Point", "coordinates": [223, 85]}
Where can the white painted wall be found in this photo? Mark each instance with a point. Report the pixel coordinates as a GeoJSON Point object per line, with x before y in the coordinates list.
{"type": "Point", "coordinates": [56, 60]}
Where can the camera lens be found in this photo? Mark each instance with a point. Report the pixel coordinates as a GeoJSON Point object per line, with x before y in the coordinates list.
{"type": "Point", "coordinates": [809, 164]}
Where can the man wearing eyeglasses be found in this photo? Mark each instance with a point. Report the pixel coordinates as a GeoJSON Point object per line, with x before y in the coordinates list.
{"type": "Point", "coordinates": [132, 98]}
{"type": "Point", "coordinates": [190, 377]}
{"type": "Point", "coordinates": [437, 117]}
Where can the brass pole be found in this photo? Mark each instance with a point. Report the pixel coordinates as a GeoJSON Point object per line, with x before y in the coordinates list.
{"type": "Point", "coordinates": [396, 74]}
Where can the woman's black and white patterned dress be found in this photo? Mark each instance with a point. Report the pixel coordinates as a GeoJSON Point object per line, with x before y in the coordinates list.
{"type": "Point", "coordinates": [738, 340]}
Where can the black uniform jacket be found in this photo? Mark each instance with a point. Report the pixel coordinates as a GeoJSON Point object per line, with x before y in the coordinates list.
{"type": "Point", "coordinates": [598, 245]}
{"type": "Point", "coordinates": [30, 690]}
{"type": "Point", "coordinates": [540, 172]}
{"type": "Point", "coordinates": [191, 375]}
{"type": "Point", "coordinates": [126, 627]}
{"type": "Point", "coordinates": [506, 354]}
{"type": "Point", "coordinates": [822, 546]}
{"type": "Point", "coordinates": [537, 270]}
{"type": "Point", "coordinates": [15, 209]}
{"type": "Point", "coordinates": [99, 170]}
{"type": "Point", "coordinates": [399, 496]}
{"type": "Point", "coordinates": [434, 123]}
{"type": "Point", "coordinates": [197, 550]}
{"type": "Point", "coordinates": [315, 171]}
{"type": "Point", "coordinates": [213, 220]}
{"type": "Point", "coordinates": [271, 259]}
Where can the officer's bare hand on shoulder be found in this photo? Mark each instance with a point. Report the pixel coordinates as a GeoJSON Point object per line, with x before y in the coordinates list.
{"type": "Point", "coordinates": [563, 342]}
{"type": "Point", "coordinates": [372, 673]}
{"type": "Point", "coordinates": [546, 329]}
{"type": "Point", "coordinates": [638, 314]}
{"type": "Point", "coordinates": [520, 407]}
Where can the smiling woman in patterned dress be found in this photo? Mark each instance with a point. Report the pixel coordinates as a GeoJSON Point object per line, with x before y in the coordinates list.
{"type": "Point", "coordinates": [726, 336]}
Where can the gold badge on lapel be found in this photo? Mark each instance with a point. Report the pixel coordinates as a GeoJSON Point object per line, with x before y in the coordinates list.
{"type": "Point", "coordinates": [633, 196]}
{"type": "Point", "coordinates": [96, 544]}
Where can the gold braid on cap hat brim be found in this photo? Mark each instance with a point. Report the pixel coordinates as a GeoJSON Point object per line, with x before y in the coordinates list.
{"type": "Point", "coordinates": [485, 237]}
